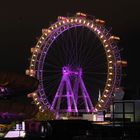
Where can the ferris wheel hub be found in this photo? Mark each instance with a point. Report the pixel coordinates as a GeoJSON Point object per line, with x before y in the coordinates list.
{"type": "Point", "coordinates": [67, 70]}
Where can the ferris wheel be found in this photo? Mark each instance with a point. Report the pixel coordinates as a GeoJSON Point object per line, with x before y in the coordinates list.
{"type": "Point", "coordinates": [78, 65]}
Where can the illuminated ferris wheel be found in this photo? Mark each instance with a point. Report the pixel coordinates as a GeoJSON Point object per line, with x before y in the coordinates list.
{"type": "Point", "coordinates": [78, 65]}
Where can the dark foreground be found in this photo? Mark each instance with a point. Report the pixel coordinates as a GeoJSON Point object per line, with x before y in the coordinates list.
{"type": "Point", "coordinates": [82, 130]}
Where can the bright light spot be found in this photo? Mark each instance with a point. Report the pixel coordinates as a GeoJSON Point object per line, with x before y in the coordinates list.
{"type": "Point", "coordinates": [106, 90]}
{"type": "Point", "coordinates": [108, 85]}
{"type": "Point", "coordinates": [101, 36]}
{"type": "Point", "coordinates": [48, 31]}
{"type": "Point", "coordinates": [105, 96]}
{"type": "Point", "coordinates": [45, 34]}
{"type": "Point", "coordinates": [71, 20]}
{"type": "Point", "coordinates": [110, 67]}
{"type": "Point", "coordinates": [35, 99]}
{"type": "Point", "coordinates": [110, 73]}
{"type": "Point", "coordinates": [88, 24]}
{"type": "Point", "coordinates": [109, 56]}
{"type": "Point", "coordinates": [40, 41]}
{"type": "Point", "coordinates": [37, 103]}
{"type": "Point", "coordinates": [96, 109]}
{"type": "Point", "coordinates": [40, 107]}
{"type": "Point", "coordinates": [102, 100]}
{"type": "Point", "coordinates": [34, 94]}
{"type": "Point", "coordinates": [98, 32]}
{"type": "Point", "coordinates": [76, 20]}
{"type": "Point", "coordinates": [109, 79]}
{"type": "Point", "coordinates": [95, 29]}
{"type": "Point", "coordinates": [42, 38]}
{"type": "Point", "coordinates": [36, 50]}
{"type": "Point", "coordinates": [106, 46]}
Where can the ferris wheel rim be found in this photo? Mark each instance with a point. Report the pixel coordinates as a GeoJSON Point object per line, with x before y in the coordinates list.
{"type": "Point", "coordinates": [101, 34]}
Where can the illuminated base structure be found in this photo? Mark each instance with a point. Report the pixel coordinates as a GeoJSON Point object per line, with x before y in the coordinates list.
{"type": "Point", "coordinates": [18, 132]}
{"type": "Point", "coordinates": [72, 91]}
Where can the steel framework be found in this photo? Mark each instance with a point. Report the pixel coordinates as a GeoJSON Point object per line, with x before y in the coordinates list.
{"type": "Point", "coordinates": [40, 52]}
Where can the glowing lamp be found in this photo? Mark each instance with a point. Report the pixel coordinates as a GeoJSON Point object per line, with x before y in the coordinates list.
{"type": "Point", "coordinates": [99, 21]}
{"type": "Point", "coordinates": [108, 85]}
{"type": "Point", "coordinates": [106, 90]}
{"type": "Point", "coordinates": [81, 14]}
{"type": "Point", "coordinates": [106, 46]}
{"type": "Point", "coordinates": [104, 95]}
{"type": "Point", "coordinates": [108, 50]}
{"type": "Point", "coordinates": [123, 63]}
{"type": "Point", "coordinates": [40, 107]}
{"type": "Point", "coordinates": [109, 79]}
{"type": "Point", "coordinates": [101, 36]}
{"type": "Point", "coordinates": [102, 100]}
{"type": "Point", "coordinates": [44, 30]}
{"type": "Point", "coordinates": [37, 103]}
{"type": "Point", "coordinates": [114, 38]}
{"type": "Point", "coordinates": [35, 99]}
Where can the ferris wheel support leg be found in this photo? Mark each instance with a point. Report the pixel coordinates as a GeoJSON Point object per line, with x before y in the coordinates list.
{"type": "Point", "coordinates": [71, 97]}
{"type": "Point", "coordinates": [75, 91]}
{"type": "Point", "coordinates": [57, 97]}
{"type": "Point", "coordinates": [88, 103]}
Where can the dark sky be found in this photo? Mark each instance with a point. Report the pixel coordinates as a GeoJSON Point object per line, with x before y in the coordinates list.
{"type": "Point", "coordinates": [21, 22]}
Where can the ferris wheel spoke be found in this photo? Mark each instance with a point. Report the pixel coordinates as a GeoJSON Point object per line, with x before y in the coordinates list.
{"type": "Point", "coordinates": [52, 83]}
{"type": "Point", "coordinates": [51, 71]}
{"type": "Point", "coordinates": [86, 46]}
{"type": "Point", "coordinates": [93, 58]}
{"type": "Point", "coordinates": [97, 73]}
{"type": "Point", "coordinates": [52, 87]}
{"type": "Point", "coordinates": [59, 54]}
{"type": "Point", "coordinates": [72, 56]}
{"type": "Point", "coordinates": [90, 44]}
{"type": "Point", "coordinates": [61, 42]}
{"type": "Point", "coordinates": [101, 65]}
{"type": "Point", "coordinates": [80, 44]}
{"type": "Point", "coordinates": [91, 54]}
{"type": "Point", "coordinates": [76, 46]}
{"type": "Point", "coordinates": [64, 43]}
{"type": "Point", "coordinates": [91, 64]}
{"type": "Point", "coordinates": [51, 64]}
{"type": "Point", "coordinates": [97, 80]}
{"type": "Point", "coordinates": [52, 76]}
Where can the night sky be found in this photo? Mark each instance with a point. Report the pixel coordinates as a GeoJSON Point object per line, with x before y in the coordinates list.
{"type": "Point", "coordinates": [21, 23]}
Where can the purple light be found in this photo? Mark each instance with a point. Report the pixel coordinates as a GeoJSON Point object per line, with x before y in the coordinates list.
{"type": "Point", "coordinates": [72, 92]}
